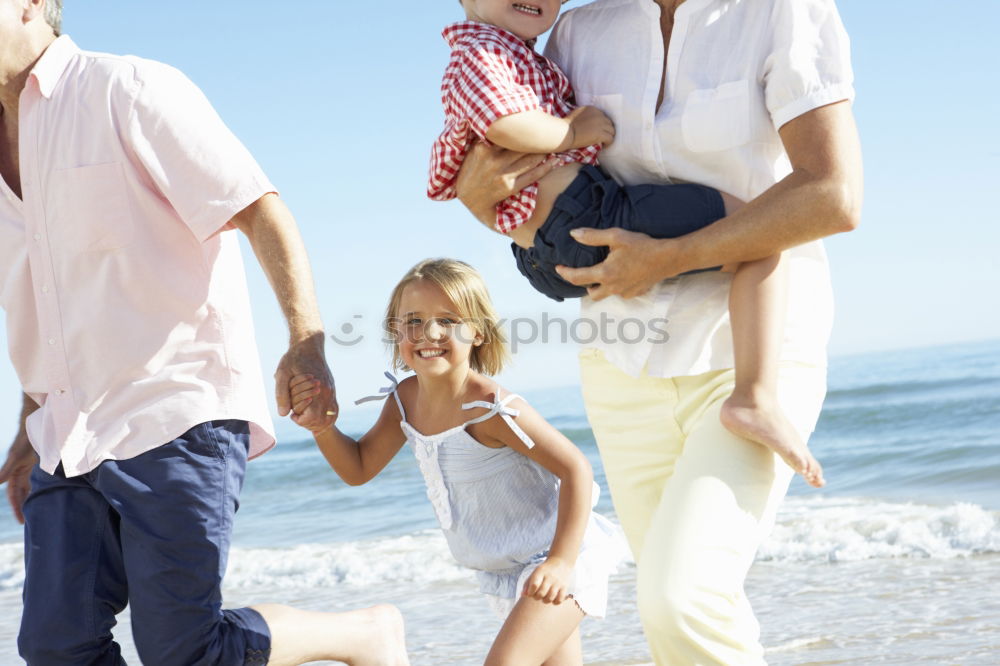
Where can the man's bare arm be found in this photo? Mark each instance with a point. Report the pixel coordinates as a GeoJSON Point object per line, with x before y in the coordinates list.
{"type": "Point", "coordinates": [276, 242]}
{"type": "Point", "coordinates": [21, 459]}
{"type": "Point", "coordinates": [822, 196]}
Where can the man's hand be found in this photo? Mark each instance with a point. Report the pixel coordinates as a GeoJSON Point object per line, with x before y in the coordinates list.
{"type": "Point", "coordinates": [275, 239]}
{"type": "Point", "coordinates": [590, 125]}
{"type": "Point", "coordinates": [635, 263]}
{"type": "Point", "coordinates": [16, 471]}
{"type": "Point", "coordinates": [307, 358]}
{"type": "Point", "coordinates": [490, 174]}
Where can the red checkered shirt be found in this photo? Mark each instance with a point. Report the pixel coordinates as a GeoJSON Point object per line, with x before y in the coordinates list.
{"type": "Point", "coordinates": [491, 74]}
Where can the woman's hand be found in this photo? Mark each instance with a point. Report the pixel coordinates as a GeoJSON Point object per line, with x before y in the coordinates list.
{"type": "Point", "coordinates": [549, 583]}
{"type": "Point", "coordinates": [635, 263]}
{"type": "Point", "coordinates": [490, 174]}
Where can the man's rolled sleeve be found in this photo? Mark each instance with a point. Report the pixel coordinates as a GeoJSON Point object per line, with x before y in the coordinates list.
{"type": "Point", "coordinates": [810, 61]}
{"type": "Point", "coordinates": [193, 159]}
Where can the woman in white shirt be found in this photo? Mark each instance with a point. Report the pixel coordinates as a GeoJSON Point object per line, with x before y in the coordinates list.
{"type": "Point", "coordinates": [752, 98]}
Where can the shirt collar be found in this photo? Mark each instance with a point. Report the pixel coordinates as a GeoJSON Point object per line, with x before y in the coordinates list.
{"type": "Point", "coordinates": [456, 32]}
{"type": "Point", "coordinates": [52, 65]}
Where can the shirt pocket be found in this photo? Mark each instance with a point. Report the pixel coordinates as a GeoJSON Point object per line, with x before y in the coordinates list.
{"type": "Point", "coordinates": [89, 209]}
{"type": "Point", "coordinates": [715, 119]}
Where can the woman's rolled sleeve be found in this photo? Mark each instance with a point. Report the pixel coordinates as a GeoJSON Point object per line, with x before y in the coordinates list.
{"type": "Point", "coordinates": [809, 65]}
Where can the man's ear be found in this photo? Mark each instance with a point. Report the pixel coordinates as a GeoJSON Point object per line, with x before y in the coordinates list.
{"type": "Point", "coordinates": [32, 10]}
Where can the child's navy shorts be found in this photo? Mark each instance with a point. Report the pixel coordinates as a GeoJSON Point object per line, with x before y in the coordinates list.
{"type": "Point", "coordinates": [152, 532]}
{"type": "Point", "coordinates": [595, 200]}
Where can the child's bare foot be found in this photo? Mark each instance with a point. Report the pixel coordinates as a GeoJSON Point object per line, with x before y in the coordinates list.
{"type": "Point", "coordinates": [765, 424]}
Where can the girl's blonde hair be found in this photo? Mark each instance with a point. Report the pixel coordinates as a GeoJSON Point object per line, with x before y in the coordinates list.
{"type": "Point", "coordinates": [465, 288]}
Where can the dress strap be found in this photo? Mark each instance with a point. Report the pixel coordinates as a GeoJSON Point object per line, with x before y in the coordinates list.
{"type": "Point", "coordinates": [506, 413]}
{"type": "Point", "coordinates": [384, 392]}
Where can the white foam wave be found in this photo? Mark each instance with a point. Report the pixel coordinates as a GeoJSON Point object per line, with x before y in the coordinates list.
{"type": "Point", "coordinates": [807, 530]}
{"type": "Point", "coordinates": [851, 529]}
{"type": "Point", "coordinates": [415, 558]}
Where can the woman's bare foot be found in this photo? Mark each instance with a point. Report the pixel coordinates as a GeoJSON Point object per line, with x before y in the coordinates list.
{"type": "Point", "coordinates": [763, 422]}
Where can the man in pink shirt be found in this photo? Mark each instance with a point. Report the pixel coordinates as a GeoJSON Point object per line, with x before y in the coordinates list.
{"type": "Point", "coordinates": [129, 327]}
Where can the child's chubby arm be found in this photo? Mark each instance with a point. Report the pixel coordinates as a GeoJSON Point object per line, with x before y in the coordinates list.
{"type": "Point", "coordinates": [553, 451]}
{"type": "Point", "coordinates": [539, 132]}
{"type": "Point", "coordinates": [354, 461]}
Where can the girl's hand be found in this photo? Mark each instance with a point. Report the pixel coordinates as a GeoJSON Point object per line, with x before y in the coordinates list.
{"type": "Point", "coordinates": [549, 583]}
{"type": "Point", "coordinates": [303, 388]}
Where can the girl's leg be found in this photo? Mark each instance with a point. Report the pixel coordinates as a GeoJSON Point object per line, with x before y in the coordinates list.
{"type": "Point", "coordinates": [570, 653]}
{"type": "Point", "coordinates": [537, 633]}
{"type": "Point", "coordinates": [757, 304]}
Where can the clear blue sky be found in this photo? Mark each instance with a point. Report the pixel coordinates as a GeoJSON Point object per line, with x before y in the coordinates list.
{"type": "Point", "coordinates": [339, 102]}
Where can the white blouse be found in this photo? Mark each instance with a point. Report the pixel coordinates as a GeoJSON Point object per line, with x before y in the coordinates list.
{"type": "Point", "coordinates": [737, 70]}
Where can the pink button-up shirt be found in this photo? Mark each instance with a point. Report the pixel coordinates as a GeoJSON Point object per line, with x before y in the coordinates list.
{"type": "Point", "coordinates": [128, 318]}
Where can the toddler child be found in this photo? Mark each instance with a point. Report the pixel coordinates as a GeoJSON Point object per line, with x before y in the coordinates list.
{"type": "Point", "coordinates": [496, 88]}
{"type": "Point", "coordinates": [512, 494]}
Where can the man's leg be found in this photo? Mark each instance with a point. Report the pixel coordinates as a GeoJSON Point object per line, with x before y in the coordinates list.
{"type": "Point", "coordinates": [74, 581]}
{"type": "Point", "coordinates": [177, 504]}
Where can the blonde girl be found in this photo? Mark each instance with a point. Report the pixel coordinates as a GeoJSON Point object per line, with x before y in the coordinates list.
{"type": "Point", "coordinates": [513, 496]}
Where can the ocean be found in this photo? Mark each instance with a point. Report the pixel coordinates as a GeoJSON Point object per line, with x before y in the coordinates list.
{"type": "Point", "coordinates": [896, 561]}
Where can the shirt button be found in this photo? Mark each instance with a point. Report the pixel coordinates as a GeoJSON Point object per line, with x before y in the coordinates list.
{"type": "Point", "coordinates": [52, 341]}
{"type": "Point", "coordinates": [38, 237]}
{"type": "Point", "coordinates": [45, 289]}
{"type": "Point", "coordinates": [60, 391]}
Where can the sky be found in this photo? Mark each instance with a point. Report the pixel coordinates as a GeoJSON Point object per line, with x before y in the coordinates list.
{"type": "Point", "coordinates": [339, 103]}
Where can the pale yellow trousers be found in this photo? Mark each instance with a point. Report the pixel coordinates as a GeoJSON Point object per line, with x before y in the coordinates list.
{"type": "Point", "coordinates": [694, 500]}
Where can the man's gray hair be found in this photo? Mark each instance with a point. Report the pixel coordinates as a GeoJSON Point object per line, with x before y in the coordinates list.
{"type": "Point", "coordinates": [53, 15]}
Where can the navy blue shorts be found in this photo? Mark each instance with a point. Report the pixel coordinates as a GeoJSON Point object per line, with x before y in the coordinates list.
{"type": "Point", "coordinates": [153, 532]}
{"type": "Point", "coordinates": [595, 200]}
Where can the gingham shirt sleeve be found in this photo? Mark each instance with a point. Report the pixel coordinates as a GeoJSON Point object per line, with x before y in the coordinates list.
{"type": "Point", "coordinates": [486, 87]}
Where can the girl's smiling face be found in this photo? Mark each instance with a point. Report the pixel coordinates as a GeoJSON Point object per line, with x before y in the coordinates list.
{"type": "Point", "coordinates": [527, 19]}
{"type": "Point", "coordinates": [433, 337]}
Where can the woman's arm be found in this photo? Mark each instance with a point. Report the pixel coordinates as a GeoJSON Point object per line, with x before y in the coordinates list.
{"type": "Point", "coordinates": [556, 453]}
{"type": "Point", "coordinates": [490, 174]}
{"type": "Point", "coordinates": [820, 197]}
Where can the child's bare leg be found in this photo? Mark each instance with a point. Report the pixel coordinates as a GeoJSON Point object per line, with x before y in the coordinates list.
{"type": "Point", "coordinates": [570, 653]}
{"type": "Point", "coordinates": [537, 633]}
{"type": "Point", "coordinates": [757, 304]}
{"type": "Point", "coordinates": [367, 637]}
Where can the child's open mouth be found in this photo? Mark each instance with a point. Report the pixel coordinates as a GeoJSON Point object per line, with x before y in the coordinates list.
{"type": "Point", "coordinates": [430, 353]}
{"type": "Point", "coordinates": [528, 9]}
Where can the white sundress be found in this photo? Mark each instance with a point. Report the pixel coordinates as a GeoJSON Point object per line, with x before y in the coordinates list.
{"type": "Point", "coordinates": [498, 510]}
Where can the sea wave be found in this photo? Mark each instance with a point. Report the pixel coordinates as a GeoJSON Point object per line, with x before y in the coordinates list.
{"type": "Point", "coordinates": [845, 529]}
{"type": "Point", "coordinates": [816, 529]}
